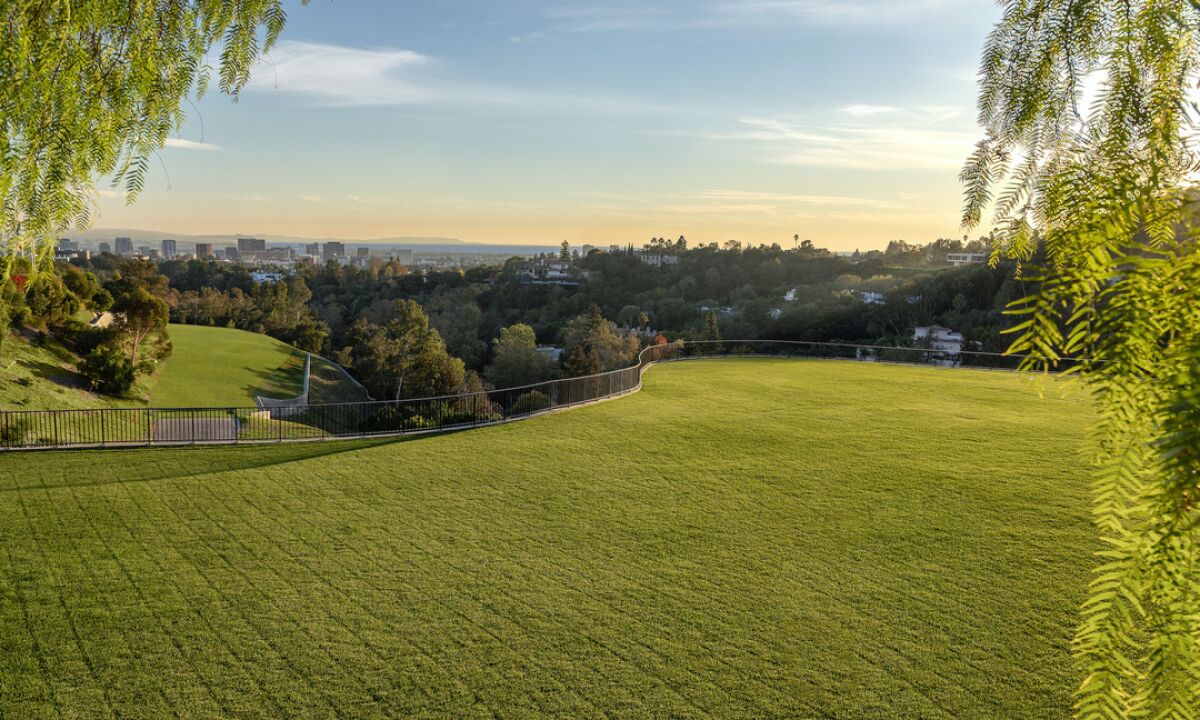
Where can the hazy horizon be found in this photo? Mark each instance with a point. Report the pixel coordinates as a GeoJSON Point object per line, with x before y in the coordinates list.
{"type": "Point", "coordinates": [842, 121]}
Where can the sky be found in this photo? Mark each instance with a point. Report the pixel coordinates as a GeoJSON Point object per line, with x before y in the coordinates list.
{"type": "Point", "coordinates": [526, 122]}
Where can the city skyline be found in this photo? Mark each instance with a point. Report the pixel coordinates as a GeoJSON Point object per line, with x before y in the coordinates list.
{"type": "Point", "coordinates": [843, 122]}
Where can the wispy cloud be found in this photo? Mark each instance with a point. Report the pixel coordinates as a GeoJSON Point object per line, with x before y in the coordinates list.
{"type": "Point", "coordinates": [562, 21]}
{"type": "Point", "coordinates": [868, 110]}
{"type": "Point", "coordinates": [342, 76]}
{"type": "Point", "coordinates": [833, 12]}
{"type": "Point", "coordinates": [901, 139]}
{"type": "Point", "coordinates": [192, 145]}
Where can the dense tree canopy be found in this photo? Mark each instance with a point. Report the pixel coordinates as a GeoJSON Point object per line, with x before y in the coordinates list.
{"type": "Point", "coordinates": [1095, 200]}
{"type": "Point", "coordinates": [95, 88]}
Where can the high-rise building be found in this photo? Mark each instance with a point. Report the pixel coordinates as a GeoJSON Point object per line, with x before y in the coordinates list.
{"type": "Point", "coordinates": [251, 245]}
{"type": "Point", "coordinates": [364, 252]}
{"type": "Point", "coordinates": [105, 248]}
{"type": "Point", "coordinates": [333, 250]}
{"type": "Point", "coordinates": [204, 250]}
{"type": "Point", "coordinates": [404, 256]}
{"type": "Point", "coordinates": [124, 246]}
{"type": "Point", "coordinates": [169, 248]}
{"type": "Point", "coordinates": [68, 245]}
{"type": "Point", "coordinates": [230, 252]}
{"type": "Point", "coordinates": [312, 249]}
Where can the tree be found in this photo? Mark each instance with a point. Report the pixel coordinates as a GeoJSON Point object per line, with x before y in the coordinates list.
{"type": "Point", "coordinates": [516, 360]}
{"type": "Point", "coordinates": [1097, 204]}
{"type": "Point", "coordinates": [599, 342]}
{"type": "Point", "coordinates": [403, 358]}
{"type": "Point", "coordinates": [4, 323]}
{"type": "Point", "coordinates": [95, 88]}
{"type": "Point", "coordinates": [712, 328]}
{"type": "Point", "coordinates": [564, 251]}
{"type": "Point", "coordinates": [139, 316]}
{"type": "Point", "coordinates": [108, 370]}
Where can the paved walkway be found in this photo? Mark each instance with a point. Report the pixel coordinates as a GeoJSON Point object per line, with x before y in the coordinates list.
{"type": "Point", "coordinates": [196, 429]}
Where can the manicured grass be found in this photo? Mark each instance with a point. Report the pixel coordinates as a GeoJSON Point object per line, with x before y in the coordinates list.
{"type": "Point", "coordinates": [328, 384]}
{"type": "Point", "coordinates": [221, 367]}
{"type": "Point", "coordinates": [744, 538]}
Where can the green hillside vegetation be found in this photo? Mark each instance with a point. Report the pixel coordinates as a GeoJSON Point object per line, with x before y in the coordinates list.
{"type": "Point", "coordinates": [42, 376]}
{"type": "Point", "coordinates": [222, 367]}
{"type": "Point", "coordinates": [328, 384]}
{"type": "Point", "coordinates": [744, 538]}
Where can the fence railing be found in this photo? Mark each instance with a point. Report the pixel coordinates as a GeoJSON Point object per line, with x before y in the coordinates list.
{"type": "Point", "coordinates": [140, 427]}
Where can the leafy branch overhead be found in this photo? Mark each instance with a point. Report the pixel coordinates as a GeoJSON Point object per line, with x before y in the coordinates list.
{"type": "Point", "coordinates": [95, 88]}
{"type": "Point", "coordinates": [1098, 202]}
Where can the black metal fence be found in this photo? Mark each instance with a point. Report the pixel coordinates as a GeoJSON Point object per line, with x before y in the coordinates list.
{"type": "Point", "coordinates": [140, 427]}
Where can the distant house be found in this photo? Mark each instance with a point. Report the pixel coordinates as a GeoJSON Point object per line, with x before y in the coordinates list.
{"type": "Point", "coordinates": [545, 271]}
{"type": "Point", "coordinates": [262, 276]}
{"type": "Point", "coordinates": [655, 259]}
{"type": "Point", "coordinates": [939, 338]}
{"type": "Point", "coordinates": [775, 313]}
{"type": "Point", "coordinates": [551, 352]}
{"type": "Point", "coordinates": [966, 258]}
{"type": "Point", "coordinates": [872, 298]}
{"type": "Point", "coordinates": [790, 295]}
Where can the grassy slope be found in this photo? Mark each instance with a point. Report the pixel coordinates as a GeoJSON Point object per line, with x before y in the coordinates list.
{"type": "Point", "coordinates": [43, 377]}
{"type": "Point", "coordinates": [216, 367]}
{"type": "Point", "coordinates": [328, 384]}
{"type": "Point", "coordinates": [745, 538]}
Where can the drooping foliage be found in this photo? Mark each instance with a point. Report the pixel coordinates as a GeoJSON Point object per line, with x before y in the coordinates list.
{"type": "Point", "coordinates": [95, 88]}
{"type": "Point", "coordinates": [1096, 200]}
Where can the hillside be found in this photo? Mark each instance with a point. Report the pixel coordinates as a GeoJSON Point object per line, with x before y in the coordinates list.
{"type": "Point", "coordinates": [209, 367]}
{"type": "Point", "coordinates": [221, 367]}
{"type": "Point", "coordinates": [744, 538]}
{"type": "Point", "coordinates": [41, 376]}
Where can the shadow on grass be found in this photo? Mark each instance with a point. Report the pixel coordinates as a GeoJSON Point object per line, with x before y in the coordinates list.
{"type": "Point", "coordinates": [56, 374]}
{"type": "Point", "coordinates": [38, 470]}
{"type": "Point", "coordinates": [278, 383]}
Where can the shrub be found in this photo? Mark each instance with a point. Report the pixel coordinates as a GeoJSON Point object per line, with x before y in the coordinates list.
{"type": "Point", "coordinates": [530, 402]}
{"type": "Point", "coordinates": [109, 371]}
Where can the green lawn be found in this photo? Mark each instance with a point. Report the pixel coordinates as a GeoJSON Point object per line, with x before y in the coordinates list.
{"type": "Point", "coordinates": [221, 367]}
{"type": "Point", "coordinates": [742, 539]}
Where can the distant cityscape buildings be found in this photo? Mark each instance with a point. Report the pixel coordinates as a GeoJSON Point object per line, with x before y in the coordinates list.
{"type": "Point", "coordinates": [254, 253]}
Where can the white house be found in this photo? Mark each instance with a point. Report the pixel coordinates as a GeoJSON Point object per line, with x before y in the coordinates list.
{"type": "Point", "coordinates": [262, 276]}
{"type": "Point", "coordinates": [966, 258]}
{"type": "Point", "coordinates": [790, 295]}
{"type": "Point", "coordinates": [657, 259]}
{"type": "Point", "coordinates": [872, 298]}
{"type": "Point", "coordinates": [940, 338]}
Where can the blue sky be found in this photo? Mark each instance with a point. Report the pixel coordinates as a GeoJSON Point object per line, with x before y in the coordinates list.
{"type": "Point", "coordinates": [532, 122]}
